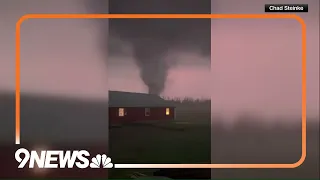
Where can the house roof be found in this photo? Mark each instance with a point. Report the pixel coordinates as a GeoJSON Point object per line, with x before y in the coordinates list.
{"type": "Point", "coordinates": [132, 99]}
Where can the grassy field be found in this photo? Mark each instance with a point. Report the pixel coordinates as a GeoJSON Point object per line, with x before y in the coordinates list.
{"type": "Point", "coordinates": [274, 144]}
{"type": "Point", "coordinates": [192, 138]}
{"type": "Point", "coordinates": [181, 141]}
{"type": "Point", "coordinates": [189, 139]}
{"type": "Point", "coordinates": [158, 145]}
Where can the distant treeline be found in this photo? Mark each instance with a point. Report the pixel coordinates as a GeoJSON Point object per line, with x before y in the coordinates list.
{"type": "Point", "coordinates": [188, 100]}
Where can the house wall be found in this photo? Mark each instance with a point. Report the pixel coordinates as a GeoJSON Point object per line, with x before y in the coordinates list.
{"type": "Point", "coordinates": [9, 166]}
{"type": "Point", "coordinates": [134, 114]}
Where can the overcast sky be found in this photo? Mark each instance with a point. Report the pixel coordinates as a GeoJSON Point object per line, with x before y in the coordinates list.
{"type": "Point", "coordinates": [255, 64]}
{"type": "Point", "coordinates": [57, 56]}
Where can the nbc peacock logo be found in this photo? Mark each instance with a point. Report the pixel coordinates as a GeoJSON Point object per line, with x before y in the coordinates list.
{"type": "Point", "coordinates": [101, 161]}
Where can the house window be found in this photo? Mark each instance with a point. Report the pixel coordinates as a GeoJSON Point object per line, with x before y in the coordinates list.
{"type": "Point", "coordinates": [167, 111]}
{"type": "Point", "coordinates": [121, 112]}
{"type": "Point", "coordinates": [147, 111]}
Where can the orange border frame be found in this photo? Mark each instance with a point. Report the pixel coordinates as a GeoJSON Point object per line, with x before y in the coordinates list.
{"type": "Point", "coordinates": [180, 16]}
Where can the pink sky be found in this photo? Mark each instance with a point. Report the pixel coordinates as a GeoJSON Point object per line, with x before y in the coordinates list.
{"type": "Point", "coordinates": [256, 64]}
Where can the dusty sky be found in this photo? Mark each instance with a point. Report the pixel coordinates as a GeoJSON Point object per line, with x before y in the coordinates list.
{"type": "Point", "coordinates": [255, 64]}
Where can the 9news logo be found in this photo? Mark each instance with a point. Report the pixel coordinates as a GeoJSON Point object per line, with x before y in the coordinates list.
{"type": "Point", "coordinates": [61, 159]}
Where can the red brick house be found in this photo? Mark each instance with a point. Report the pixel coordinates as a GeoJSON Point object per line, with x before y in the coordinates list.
{"type": "Point", "coordinates": [132, 107]}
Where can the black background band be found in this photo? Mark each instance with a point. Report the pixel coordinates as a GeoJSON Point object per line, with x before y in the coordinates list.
{"type": "Point", "coordinates": [268, 7]}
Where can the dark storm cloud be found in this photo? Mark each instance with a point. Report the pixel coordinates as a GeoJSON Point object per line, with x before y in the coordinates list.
{"type": "Point", "coordinates": [152, 38]}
